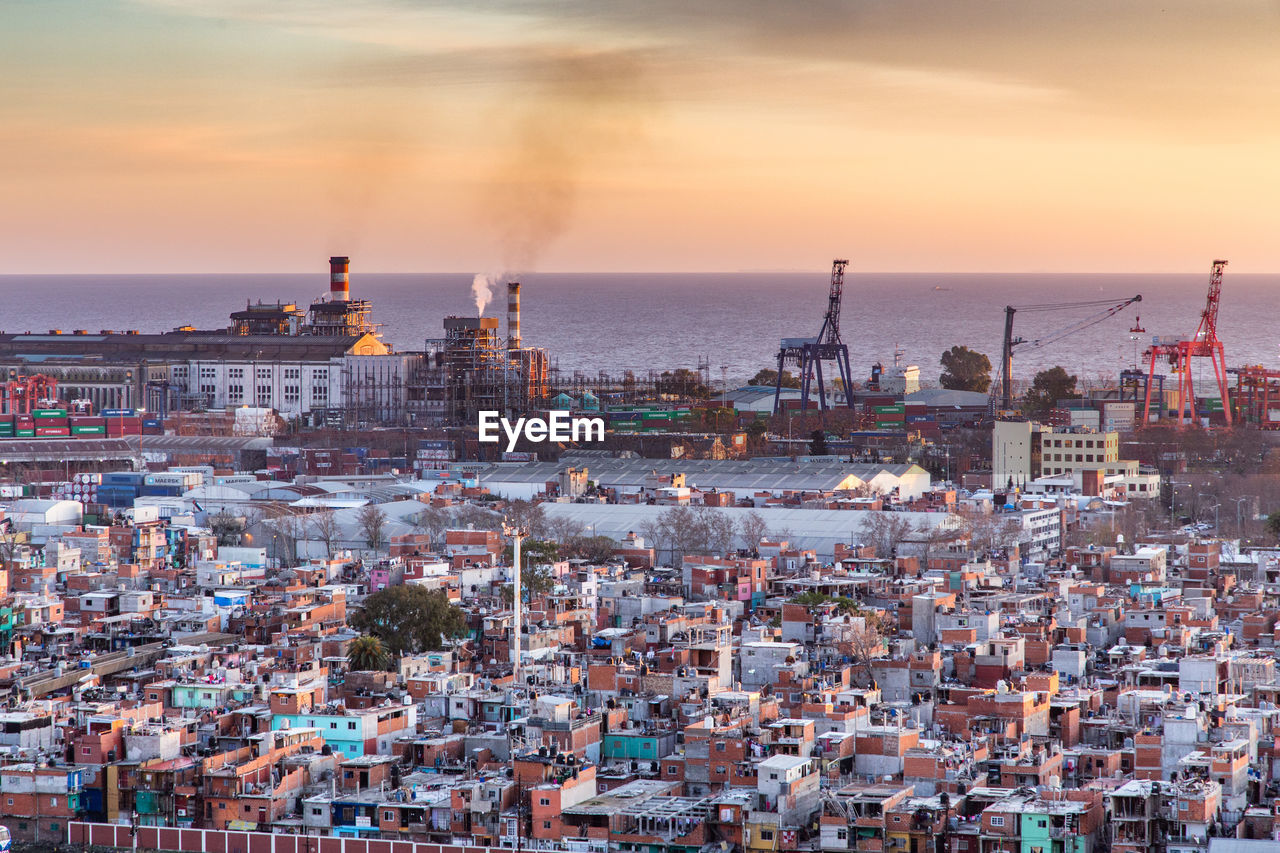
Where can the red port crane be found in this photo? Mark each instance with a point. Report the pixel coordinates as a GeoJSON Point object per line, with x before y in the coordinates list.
{"type": "Point", "coordinates": [22, 394]}
{"type": "Point", "coordinates": [1203, 344]}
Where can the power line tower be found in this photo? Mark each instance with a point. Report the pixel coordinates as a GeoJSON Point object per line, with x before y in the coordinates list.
{"type": "Point", "coordinates": [1203, 344]}
{"type": "Point", "coordinates": [810, 353]}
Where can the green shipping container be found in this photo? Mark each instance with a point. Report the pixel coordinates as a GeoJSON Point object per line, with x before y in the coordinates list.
{"type": "Point", "coordinates": [25, 433]}
{"type": "Point", "coordinates": [49, 413]}
{"type": "Point", "coordinates": [88, 430]}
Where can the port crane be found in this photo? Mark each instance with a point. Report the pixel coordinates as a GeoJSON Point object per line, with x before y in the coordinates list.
{"type": "Point", "coordinates": [1179, 352]}
{"type": "Point", "coordinates": [1003, 387]}
{"type": "Point", "coordinates": [22, 394]}
{"type": "Point", "coordinates": [810, 353]}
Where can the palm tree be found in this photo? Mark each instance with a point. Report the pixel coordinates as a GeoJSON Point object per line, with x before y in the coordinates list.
{"type": "Point", "coordinates": [367, 653]}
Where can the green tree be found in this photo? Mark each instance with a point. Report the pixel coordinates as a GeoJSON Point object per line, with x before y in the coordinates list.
{"type": "Point", "coordinates": [818, 443]}
{"type": "Point", "coordinates": [1047, 388]}
{"type": "Point", "coordinates": [535, 582]}
{"type": "Point", "coordinates": [367, 654]}
{"type": "Point", "coordinates": [682, 383]}
{"type": "Point", "coordinates": [756, 429]}
{"type": "Point", "coordinates": [770, 378]}
{"type": "Point", "coordinates": [1273, 525]}
{"type": "Point", "coordinates": [409, 619]}
{"type": "Point", "coordinates": [964, 369]}
{"type": "Point", "coordinates": [533, 551]}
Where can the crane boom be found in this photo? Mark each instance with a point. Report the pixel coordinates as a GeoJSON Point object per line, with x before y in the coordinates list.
{"type": "Point", "coordinates": [830, 333]}
{"type": "Point", "coordinates": [1207, 331]}
{"type": "Point", "coordinates": [1005, 385]}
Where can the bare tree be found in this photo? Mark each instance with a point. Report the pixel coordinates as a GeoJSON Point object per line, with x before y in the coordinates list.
{"type": "Point", "coordinates": [324, 526]}
{"type": "Point", "coordinates": [933, 536]}
{"type": "Point", "coordinates": [719, 530]}
{"type": "Point", "coordinates": [561, 529]}
{"type": "Point", "coordinates": [752, 528]}
{"type": "Point", "coordinates": [685, 531]}
{"type": "Point", "coordinates": [433, 521]}
{"type": "Point", "coordinates": [866, 643]}
{"type": "Point", "coordinates": [528, 515]}
{"type": "Point", "coordinates": [470, 515]}
{"type": "Point", "coordinates": [655, 535]}
{"type": "Point", "coordinates": [286, 529]}
{"type": "Point", "coordinates": [372, 520]}
{"type": "Point", "coordinates": [885, 531]}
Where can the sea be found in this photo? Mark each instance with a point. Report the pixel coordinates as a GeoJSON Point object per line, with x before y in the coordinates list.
{"type": "Point", "coordinates": [731, 322]}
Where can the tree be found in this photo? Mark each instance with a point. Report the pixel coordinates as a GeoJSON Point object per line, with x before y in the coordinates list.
{"type": "Point", "coordinates": [865, 643]}
{"type": "Point", "coordinates": [535, 581]}
{"type": "Point", "coordinates": [433, 521]}
{"type": "Point", "coordinates": [409, 619]}
{"type": "Point", "coordinates": [561, 529]}
{"type": "Point", "coordinates": [884, 531]}
{"type": "Point", "coordinates": [752, 528]}
{"type": "Point", "coordinates": [965, 370]}
{"type": "Point", "coordinates": [470, 515]}
{"type": "Point", "coordinates": [770, 378]}
{"type": "Point", "coordinates": [528, 515]}
{"type": "Point", "coordinates": [227, 527]}
{"type": "Point", "coordinates": [1273, 525]}
{"type": "Point", "coordinates": [719, 528]}
{"type": "Point", "coordinates": [818, 443]}
{"type": "Point", "coordinates": [1047, 388]}
{"type": "Point", "coordinates": [372, 520]}
{"type": "Point", "coordinates": [594, 549]}
{"type": "Point", "coordinates": [684, 531]}
{"type": "Point", "coordinates": [756, 430]}
{"type": "Point", "coordinates": [324, 526]}
{"type": "Point", "coordinates": [286, 529]}
{"type": "Point", "coordinates": [366, 654]}
{"type": "Point", "coordinates": [533, 552]}
{"type": "Point", "coordinates": [682, 383]}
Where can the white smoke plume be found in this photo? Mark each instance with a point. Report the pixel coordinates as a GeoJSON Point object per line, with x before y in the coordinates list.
{"type": "Point", "coordinates": [482, 291]}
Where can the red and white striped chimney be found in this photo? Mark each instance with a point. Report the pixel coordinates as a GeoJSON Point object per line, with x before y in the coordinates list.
{"type": "Point", "coordinates": [513, 314]}
{"type": "Point", "coordinates": [339, 283]}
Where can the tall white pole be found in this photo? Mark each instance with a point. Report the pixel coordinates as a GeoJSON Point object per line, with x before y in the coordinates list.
{"type": "Point", "coordinates": [516, 604]}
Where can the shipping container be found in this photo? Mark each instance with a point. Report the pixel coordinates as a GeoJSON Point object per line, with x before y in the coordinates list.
{"type": "Point", "coordinates": [88, 430]}
{"type": "Point", "coordinates": [49, 413]}
{"type": "Point", "coordinates": [28, 432]}
{"type": "Point", "coordinates": [116, 413]}
{"type": "Point", "coordinates": [52, 432]}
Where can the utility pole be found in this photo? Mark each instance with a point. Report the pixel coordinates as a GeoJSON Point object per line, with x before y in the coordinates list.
{"type": "Point", "coordinates": [517, 534]}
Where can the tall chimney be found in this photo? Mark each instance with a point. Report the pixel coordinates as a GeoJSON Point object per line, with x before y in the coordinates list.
{"type": "Point", "coordinates": [513, 314]}
{"type": "Point", "coordinates": [339, 284]}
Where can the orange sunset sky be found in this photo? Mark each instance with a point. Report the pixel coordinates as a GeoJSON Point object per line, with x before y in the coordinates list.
{"type": "Point", "coordinates": [587, 135]}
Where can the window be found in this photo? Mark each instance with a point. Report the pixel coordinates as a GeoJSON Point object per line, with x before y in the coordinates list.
{"type": "Point", "coordinates": [766, 835]}
{"type": "Point", "coordinates": [842, 834]}
{"type": "Point", "coordinates": [388, 815]}
{"type": "Point", "coordinates": [546, 824]}
{"type": "Point", "coordinates": [544, 801]}
{"type": "Point", "coordinates": [351, 726]}
{"type": "Point", "coordinates": [53, 801]}
{"type": "Point", "coordinates": [85, 751]}
{"type": "Point", "coordinates": [333, 725]}
{"type": "Point", "coordinates": [720, 769]}
{"type": "Point", "coordinates": [720, 746]}
{"type": "Point", "coordinates": [10, 801]}
{"type": "Point", "coordinates": [316, 811]}
{"type": "Point", "coordinates": [997, 820]}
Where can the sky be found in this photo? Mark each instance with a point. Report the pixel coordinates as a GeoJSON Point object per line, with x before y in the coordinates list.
{"type": "Point", "coordinates": [520, 136]}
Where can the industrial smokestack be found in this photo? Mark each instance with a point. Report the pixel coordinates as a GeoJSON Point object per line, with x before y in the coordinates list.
{"type": "Point", "coordinates": [513, 314]}
{"type": "Point", "coordinates": [339, 284]}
